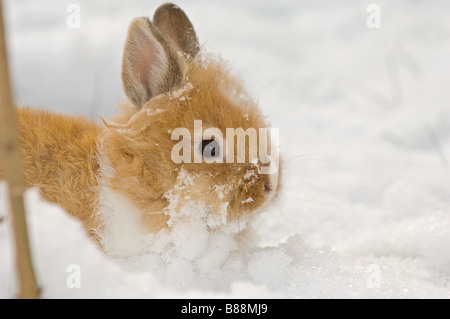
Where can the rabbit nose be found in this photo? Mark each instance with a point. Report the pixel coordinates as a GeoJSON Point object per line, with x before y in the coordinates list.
{"type": "Point", "coordinates": [271, 185]}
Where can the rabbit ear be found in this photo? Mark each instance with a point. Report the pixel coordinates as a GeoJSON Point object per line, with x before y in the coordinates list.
{"type": "Point", "coordinates": [150, 66]}
{"type": "Point", "coordinates": [173, 22]}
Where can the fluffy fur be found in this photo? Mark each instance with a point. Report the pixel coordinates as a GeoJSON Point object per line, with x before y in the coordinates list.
{"type": "Point", "coordinates": [59, 157]}
{"type": "Point", "coordinates": [92, 171]}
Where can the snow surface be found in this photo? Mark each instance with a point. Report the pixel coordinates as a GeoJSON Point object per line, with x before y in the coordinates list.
{"type": "Point", "coordinates": [364, 118]}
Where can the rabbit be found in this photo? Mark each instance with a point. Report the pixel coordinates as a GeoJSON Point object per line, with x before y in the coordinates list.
{"type": "Point", "coordinates": [119, 178]}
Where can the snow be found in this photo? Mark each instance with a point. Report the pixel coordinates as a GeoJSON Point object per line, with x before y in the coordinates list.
{"type": "Point", "coordinates": [364, 118]}
{"type": "Point", "coordinates": [178, 94]}
{"type": "Point", "coordinates": [153, 112]}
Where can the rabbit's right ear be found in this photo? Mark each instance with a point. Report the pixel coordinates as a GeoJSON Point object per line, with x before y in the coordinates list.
{"type": "Point", "coordinates": [149, 67]}
{"type": "Point", "coordinates": [173, 22]}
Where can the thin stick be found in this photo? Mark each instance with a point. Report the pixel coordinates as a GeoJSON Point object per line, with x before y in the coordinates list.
{"type": "Point", "coordinates": [14, 175]}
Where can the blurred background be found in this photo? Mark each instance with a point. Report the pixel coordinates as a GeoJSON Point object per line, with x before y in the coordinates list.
{"type": "Point", "coordinates": [361, 95]}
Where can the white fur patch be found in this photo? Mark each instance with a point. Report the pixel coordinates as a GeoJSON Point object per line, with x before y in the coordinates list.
{"type": "Point", "coordinates": [122, 232]}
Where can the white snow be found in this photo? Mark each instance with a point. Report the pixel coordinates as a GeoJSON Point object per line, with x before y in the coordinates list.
{"type": "Point", "coordinates": [248, 200]}
{"type": "Point", "coordinates": [178, 94]}
{"type": "Point", "coordinates": [151, 112]}
{"type": "Point", "coordinates": [364, 118]}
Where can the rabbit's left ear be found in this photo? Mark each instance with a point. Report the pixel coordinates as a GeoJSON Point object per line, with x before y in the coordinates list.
{"type": "Point", "coordinates": [150, 65]}
{"type": "Point", "coordinates": [173, 23]}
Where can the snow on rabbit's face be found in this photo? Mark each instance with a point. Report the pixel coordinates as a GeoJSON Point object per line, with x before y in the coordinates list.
{"type": "Point", "coordinates": [142, 149]}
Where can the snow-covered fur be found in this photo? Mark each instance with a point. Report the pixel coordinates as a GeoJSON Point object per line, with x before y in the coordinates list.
{"type": "Point", "coordinates": [120, 177]}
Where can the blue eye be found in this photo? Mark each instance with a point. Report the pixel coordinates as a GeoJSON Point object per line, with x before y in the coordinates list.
{"type": "Point", "coordinates": [210, 148]}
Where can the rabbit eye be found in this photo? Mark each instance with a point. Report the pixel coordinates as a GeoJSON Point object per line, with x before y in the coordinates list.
{"type": "Point", "coordinates": [210, 148]}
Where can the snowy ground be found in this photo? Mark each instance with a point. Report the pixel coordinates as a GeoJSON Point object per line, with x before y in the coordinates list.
{"type": "Point", "coordinates": [364, 119]}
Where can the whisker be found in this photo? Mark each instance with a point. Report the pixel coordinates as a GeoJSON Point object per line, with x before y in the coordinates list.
{"type": "Point", "coordinates": [259, 78]}
{"type": "Point", "coordinates": [268, 85]}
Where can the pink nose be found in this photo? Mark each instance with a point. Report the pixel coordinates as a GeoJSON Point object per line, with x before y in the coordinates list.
{"type": "Point", "coordinates": [267, 188]}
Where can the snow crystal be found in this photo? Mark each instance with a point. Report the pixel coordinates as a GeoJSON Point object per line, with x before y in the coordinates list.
{"type": "Point", "coordinates": [179, 93]}
{"type": "Point", "coordinates": [248, 200]}
{"type": "Point", "coordinates": [151, 112]}
{"type": "Point", "coordinates": [222, 190]}
{"type": "Point", "coordinates": [249, 174]}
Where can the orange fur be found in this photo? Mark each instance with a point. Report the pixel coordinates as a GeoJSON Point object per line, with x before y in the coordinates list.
{"type": "Point", "coordinates": [66, 156]}
{"type": "Point", "coordinates": [59, 155]}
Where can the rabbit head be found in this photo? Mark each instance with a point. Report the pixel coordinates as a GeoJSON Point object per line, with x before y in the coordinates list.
{"type": "Point", "coordinates": [177, 96]}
